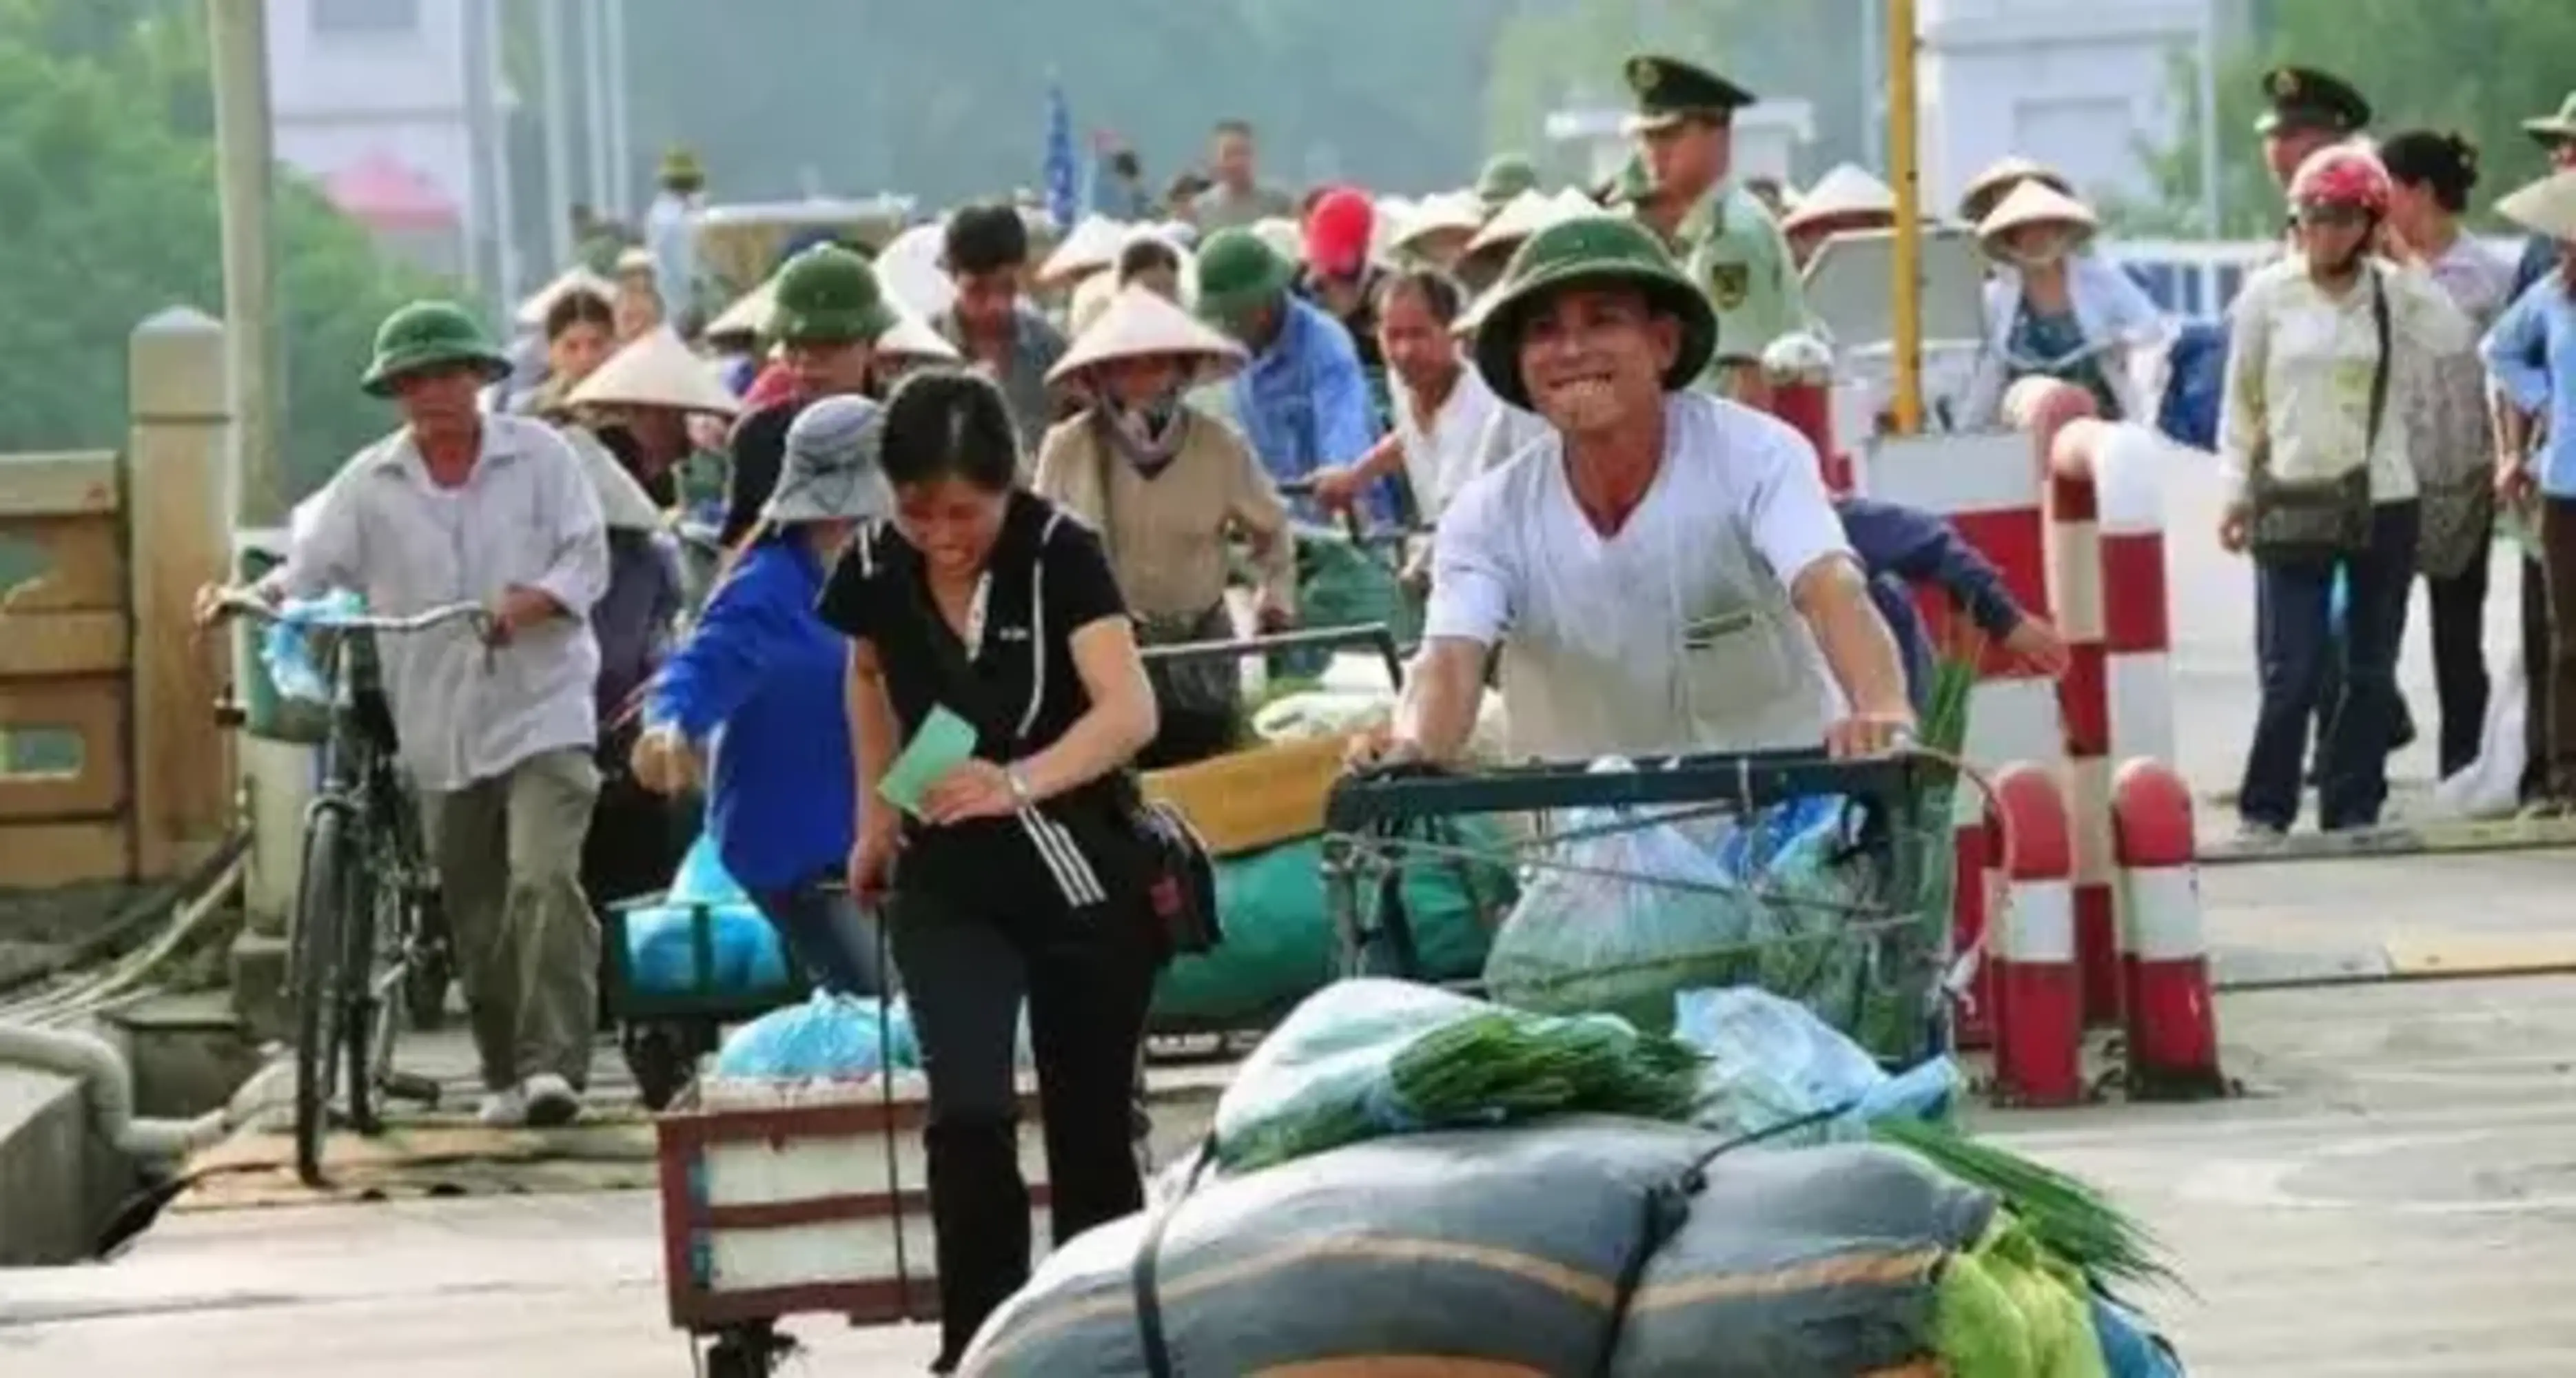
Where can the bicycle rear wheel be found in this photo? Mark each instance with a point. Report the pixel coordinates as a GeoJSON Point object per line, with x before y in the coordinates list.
{"type": "Point", "coordinates": [320, 1007]}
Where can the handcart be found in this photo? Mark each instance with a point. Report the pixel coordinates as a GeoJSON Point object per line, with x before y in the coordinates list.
{"type": "Point", "coordinates": [664, 1032]}
{"type": "Point", "coordinates": [1901, 940]}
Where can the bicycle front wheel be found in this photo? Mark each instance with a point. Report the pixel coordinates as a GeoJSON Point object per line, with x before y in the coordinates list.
{"type": "Point", "coordinates": [320, 945]}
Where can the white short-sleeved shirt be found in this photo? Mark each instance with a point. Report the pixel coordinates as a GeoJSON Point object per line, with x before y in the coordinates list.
{"type": "Point", "coordinates": [1674, 634]}
{"type": "Point", "coordinates": [1444, 450]}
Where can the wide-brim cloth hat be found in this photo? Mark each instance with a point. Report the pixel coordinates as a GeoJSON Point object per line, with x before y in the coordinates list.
{"type": "Point", "coordinates": [830, 470]}
{"type": "Point", "coordinates": [2555, 129]}
{"type": "Point", "coordinates": [1092, 247]}
{"type": "Point", "coordinates": [2546, 207]}
{"type": "Point", "coordinates": [532, 312]}
{"type": "Point", "coordinates": [1987, 189]}
{"type": "Point", "coordinates": [656, 369]}
{"type": "Point", "coordinates": [427, 335]}
{"type": "Point", "coordinates": [1847, 191]}
{"type": "Point", "coordinates": [1238, 271]}
{"type": "Point", "coordinates": [829, 295]}
{"type": "Point", "coordinates": [1668, 90]}
{"type": "Point", "coordinates": [1596, 250]}
{"type": "Point", "coordinates": [1503, 177]}
{"type": "Point", "coordinates": [2036, 203]}
{"type": "Point", "coordinates": [680, 169]}
{"type": "Point", "coordinates": [913, 337]}
{"type": "Point", "coordinates": [2306, 98]}
{"type": "Point", "coordinates": [1457, 212]}
{"type": "Point", "coordinates": [1139, 324]}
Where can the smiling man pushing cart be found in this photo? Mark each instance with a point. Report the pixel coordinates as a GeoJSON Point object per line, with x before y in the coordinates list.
{"type": "Point", "coordinates": [1663, 574]}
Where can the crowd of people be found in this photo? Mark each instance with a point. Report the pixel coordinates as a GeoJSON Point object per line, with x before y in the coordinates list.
{"type": "Point", "coordinates": [737, 568]}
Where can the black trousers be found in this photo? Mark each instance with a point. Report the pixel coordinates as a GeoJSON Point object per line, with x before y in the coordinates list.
{"type": "Point", "coordinates": [967, 965]}
{"type": "Point", "coordinates": [2458, 618]}
{"type": "Point", "coordinates": [2536, 677]}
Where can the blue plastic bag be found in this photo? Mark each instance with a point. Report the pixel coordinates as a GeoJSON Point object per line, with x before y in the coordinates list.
{"type": "Point", "coordinates": [661, 944]}
{"type": "Point", "coordinates": [286, 648]}
{"type": "Point", "coordinates": [828, 1038]}
{"type": "Point", "coordinates": [1772, 1062]}
{"type": "Point", "coordinates": [2131, 1348]}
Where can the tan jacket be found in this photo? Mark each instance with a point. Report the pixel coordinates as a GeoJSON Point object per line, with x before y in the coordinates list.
{"type": "Point", "coordinates": [1167, 534]}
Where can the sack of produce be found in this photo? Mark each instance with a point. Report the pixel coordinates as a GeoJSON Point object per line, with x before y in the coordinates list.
{"type": "Point", "coordinates": [1622, 918]}
{"type": "Point", "coordinates": [828, 1038]}
{"type": "Point", "coordinates": [1340, 584]}
{"type": "Point", "coordinates": [1501, 1246]}
{"type": "Point", "coordinates": [1366, 1058]}
{"type": "Point", "coordinates": [705, 935]}
{"type": "Point", "coordinates": [1306, 715]}
{"type": "Point", "coordinates": [1280, 946]}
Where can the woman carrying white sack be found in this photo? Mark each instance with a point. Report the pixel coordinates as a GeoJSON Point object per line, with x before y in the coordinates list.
{"type": "Point", "coordinates": [2056, 308]}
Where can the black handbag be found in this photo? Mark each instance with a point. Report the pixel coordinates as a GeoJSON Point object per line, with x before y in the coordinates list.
{"type": "Point", "coordinates": [2312, 522]}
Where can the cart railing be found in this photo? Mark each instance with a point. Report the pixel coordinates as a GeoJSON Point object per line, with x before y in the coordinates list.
{"type": "Point", "coordinates": [1374, 636]}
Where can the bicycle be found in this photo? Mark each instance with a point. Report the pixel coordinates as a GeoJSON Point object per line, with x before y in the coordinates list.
{"type": "Point", "coordinates": [364, 941]}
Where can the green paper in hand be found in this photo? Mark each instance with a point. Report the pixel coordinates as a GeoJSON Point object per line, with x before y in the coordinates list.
{"type": "Point", "coordinates": [944, 742]}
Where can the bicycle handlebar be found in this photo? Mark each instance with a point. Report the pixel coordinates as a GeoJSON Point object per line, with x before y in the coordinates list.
{"type": "Point", "coordinates": [473, 614]}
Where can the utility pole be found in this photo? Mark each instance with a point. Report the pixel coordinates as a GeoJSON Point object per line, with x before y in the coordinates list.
{"type": "Point", "coordinates": [1873, 106]}
{"type": "Point", "coordinates": [2212, 204]}
{"type": "Point", "coordinates": [558, 117]}
{"type": "Point", "coordinates": [237, 32]}
{"type": "Point", "coordinates": [594, 89]}
{"type": "Point", "coordinates": [621, 127]}
{"type": "Point", "coordinates": [484, 16]}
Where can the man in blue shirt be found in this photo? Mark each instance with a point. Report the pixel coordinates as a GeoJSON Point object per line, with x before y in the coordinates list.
{"type": "Point", "coordinates": [1900, 546]}
{"type": "Point", "coordinates": [1303, 401]}
{"type": "Point", "coordinates": [2531, 353]}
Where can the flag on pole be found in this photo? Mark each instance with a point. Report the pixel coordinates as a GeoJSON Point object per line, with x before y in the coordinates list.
{"type": "Point", "coordinates": [1063, 177]}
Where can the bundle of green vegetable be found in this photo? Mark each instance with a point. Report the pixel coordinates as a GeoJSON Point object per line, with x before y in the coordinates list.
{"type": "Point", "coordinates": [2073, 1221]}
{"type": "Point", "coordinates": [1366, 1058]}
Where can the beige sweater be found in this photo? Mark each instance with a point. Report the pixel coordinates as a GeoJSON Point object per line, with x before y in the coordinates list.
{"type": "Point", "coordinates": [1167, 534]}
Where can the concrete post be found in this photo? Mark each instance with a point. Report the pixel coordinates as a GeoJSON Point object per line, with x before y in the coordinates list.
{"type": "Point", "coordinates": [178, 519]}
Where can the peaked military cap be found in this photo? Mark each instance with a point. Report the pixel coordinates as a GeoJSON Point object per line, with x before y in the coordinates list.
{"type": "Point", "coordinates": [1668, 90]}
{"type": "Point", "coordinates": [2305, 98]}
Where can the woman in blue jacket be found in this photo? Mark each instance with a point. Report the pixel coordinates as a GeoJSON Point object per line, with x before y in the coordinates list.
{"type": "Point", "coordinates": [759, 688]}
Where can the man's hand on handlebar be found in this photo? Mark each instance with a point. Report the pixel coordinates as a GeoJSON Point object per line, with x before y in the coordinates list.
{"type": "Point", "coordinates": [1338, 489]}
{"type": "Point", "coordinates": [518, 608]}
{"type": "Point", "coordinates": [217, 602]}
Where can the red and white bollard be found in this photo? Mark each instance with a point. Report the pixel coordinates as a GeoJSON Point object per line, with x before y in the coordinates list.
{"type": "Point", "coordinates": [2039, 999]}
{"type": "Point", "coordinates": [1988, 490]}
{"type": "Point", "coordinates": [2137, 617]}
{"type": "Point", "coordinates": [2172, 1025]}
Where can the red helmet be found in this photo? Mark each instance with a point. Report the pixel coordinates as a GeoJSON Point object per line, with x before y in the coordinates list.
{"type": "Point", "coordinates": [1337, 232]}
{"type": "Point", "coordinates": [2345, 174]}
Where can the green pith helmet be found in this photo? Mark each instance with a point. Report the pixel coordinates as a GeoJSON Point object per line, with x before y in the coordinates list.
{"type": "Point", "coordinates": [829, 295]}
{"type": "Point", "coordinates": [1589, 251]}
{"type": "Point", "coordinates": [1504, 176]}
{"type": "Point", "coordinates": [1239, 273]}
{"type": "Point", "coordinates": [427, 335]}
{"type": "Point", "coordinates": [680, 170]}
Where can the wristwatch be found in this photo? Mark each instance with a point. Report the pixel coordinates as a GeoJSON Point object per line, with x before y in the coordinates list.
{"type": "Point", "coordinates": [1018, 780]}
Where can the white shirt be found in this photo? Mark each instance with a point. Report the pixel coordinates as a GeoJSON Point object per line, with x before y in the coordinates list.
{"type": "Point", "coordinates": [1676, 632]}
{"type": "Point", "coordinates": [2299, 365]}
{"type": "Point", "coordinates": [526, 515]}
{"type": "Point", "coordinates": [1445, 450]}
{"type": "Point", "coordinates": [2113, 312]}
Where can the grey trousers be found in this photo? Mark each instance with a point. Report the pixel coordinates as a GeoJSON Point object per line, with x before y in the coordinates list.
{"type": "Point", "coordinates": [508, 853]}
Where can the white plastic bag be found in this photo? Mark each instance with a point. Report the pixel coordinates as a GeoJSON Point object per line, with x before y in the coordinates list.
{"type": "Point", "coordinates": [1773, 1062]}
{"type": "Point", "coordinates": [2491, 785]}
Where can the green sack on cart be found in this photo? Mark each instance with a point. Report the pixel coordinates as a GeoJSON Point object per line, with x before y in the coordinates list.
{"type": "Point", "coordinates": [1279, 943]}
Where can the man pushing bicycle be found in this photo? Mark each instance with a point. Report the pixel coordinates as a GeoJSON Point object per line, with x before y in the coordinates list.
{"type": "Point", "coordinates": [495, 731]}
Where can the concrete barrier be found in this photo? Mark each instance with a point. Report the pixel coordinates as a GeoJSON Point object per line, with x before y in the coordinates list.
{"type": "Point", "coordinates": [58, 1183]}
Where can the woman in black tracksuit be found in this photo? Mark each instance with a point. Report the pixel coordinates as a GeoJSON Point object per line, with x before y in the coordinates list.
{"type": "Point", "coordinates": [1024, 878]}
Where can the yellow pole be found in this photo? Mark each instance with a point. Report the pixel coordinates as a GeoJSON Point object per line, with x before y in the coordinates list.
{"type": "Point", "coordinates": [1905, 171]}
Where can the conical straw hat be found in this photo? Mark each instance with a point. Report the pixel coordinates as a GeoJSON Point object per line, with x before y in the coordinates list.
{"type": "Point", "coordinates": [1139, 323]}
{"type": "Point", "coordinates": [532, 312]}
{"type": "Point", "coordinates": [657, 370]}
{"type": "Point", "coordinates": [912, 338]}
{"type": "Point", "coordinates": [2036, 203]}
{"type": "Point", "coordinates": [1524, 215]}
{"type": "Point", "coordinates": [1089, 300]}
{"type": "Point", "coordinates": [1093, 246]}
{"type": "Point", "coordinates": [1455, 211]}
{"type": "Point", "coordinates": [1847, 190]}
{"type": "Point", "coordinates": [1985, 190]}
{"type": "Point", "coordinates": [908, 269]}
{"type": "Point", "coordinates": [749, 314]}
{"type": "Point", "coordinates": [2547, 206]}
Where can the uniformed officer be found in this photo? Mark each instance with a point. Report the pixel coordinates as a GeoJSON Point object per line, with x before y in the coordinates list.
{"type": "Point", "coordinates": [2304, 110]}
{"type": "Point", "coordinates": [1728, 241]}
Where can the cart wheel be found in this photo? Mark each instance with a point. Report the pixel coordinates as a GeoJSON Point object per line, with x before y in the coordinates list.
{"type": "Point", "coordinates": [660, 1058]}
{"type": "Point", "coordinates": [750, 1351]}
